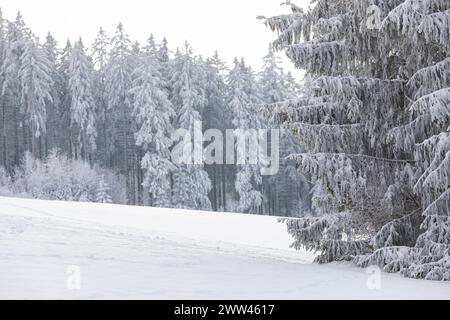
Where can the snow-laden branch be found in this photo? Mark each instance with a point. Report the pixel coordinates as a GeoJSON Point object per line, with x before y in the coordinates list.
{"type": "Point", "coordinates": [329, 138]}
{"type": "Point", "coordinates": [430, 79]}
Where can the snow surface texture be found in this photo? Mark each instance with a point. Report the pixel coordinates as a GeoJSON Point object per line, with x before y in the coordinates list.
{"type": "Point", "coordinates": [146, 253]}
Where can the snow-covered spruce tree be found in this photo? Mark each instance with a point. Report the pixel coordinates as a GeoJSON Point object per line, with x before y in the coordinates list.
{"type": "Point", "coordinates": [376, 131]}
{"type": "Point", "coordinates": [100, 51]}
{"type": "Point", "coordinates": [217, 115]}
{"type": "Point", "coordinates": [82, 111]}
{"type": "Point", "coordinates": [243, 95]}
{"type": "Point", "coordinates": [102, 195]}
{"type": "Point", "coordinates": [191, 183]}
{"type": "Point", "coordinates": [53, 137]}
{"type": "Point", "coordinates": [14, 137]}
{"type": "Point", "coordinates": [150, 48]}
{"type": "Point", "coordinates": [153, 112]}
{"type": "Point", "coordinates": [36, 87]}
{"type": "Point", "coordinates": [287, 191]}
{"type": "Point", "coordinates": [64, 101]}
{"type": "Point", "coordinates": [119, 72]}
{"type": "Point", "coordinates": [4, 155]}
{"type": "Point", "coordinates": [275, 85]}
{"type": "Point", "coordinates": [164, 63]}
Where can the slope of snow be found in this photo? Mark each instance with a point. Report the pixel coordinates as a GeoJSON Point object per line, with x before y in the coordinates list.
{"type": "Point", "coordinates": [145, 253]}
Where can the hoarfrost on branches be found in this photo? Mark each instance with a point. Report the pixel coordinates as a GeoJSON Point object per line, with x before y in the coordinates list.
{"type": "Point", "coordinates": [376, 130]}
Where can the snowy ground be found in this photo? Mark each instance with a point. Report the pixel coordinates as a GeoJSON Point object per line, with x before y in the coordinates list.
{"type": "Point", "coordinates": [143, 253]}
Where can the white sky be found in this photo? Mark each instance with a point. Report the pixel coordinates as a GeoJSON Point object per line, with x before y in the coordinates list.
{"type": "Point", "coordinates": [229, 26]}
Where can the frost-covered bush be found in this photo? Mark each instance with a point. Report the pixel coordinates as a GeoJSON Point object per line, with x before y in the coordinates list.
{"type": "Point", "coordinates": [61, 178]}
{"type": "Point", "coordinates": [5, 183]}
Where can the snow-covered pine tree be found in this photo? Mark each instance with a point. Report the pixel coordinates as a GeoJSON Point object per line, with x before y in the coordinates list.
{"type": "Point", "coordinates": [4, 155]}
{"type": "Point", "coordinates": [217, 115]}
{"type": "Point", "coordinates": [191, 183]}
{"type": "Point", "coordinates": [287, 191]}
{"type": "Point", "coordinates": [163, 51]}
{"type": "Point", "coordinates": [36, 87]}
{"type": "Point", "coordinates": [118, 84]}
{"type": "Point", "coordinates": [82, 109]}
{"type": "Point", "coordinates": [150, 48]}
{"type": "Point", "coordinates": [377, 131]}
{"type": "Point", "coordinates": [136, 52]}
{"type": "Point", "coordinates": [51, 49]}
{"type": "Point", "coordinates": [164, 58]}
{"type": "Point", "coordinates": [2, 37]}
{"type": "Point", "coordinates": [15, 139]}
{"type": "Point", "coordinates": [53, 137]}
{"type": "Point", "coordinates": [243, 96]}
{"type": "Point", "coordinates": [103, 189]}
{"type": "Point", "coordinates": [100, 51]}
{"type": "Point", "coordinates": [64, 106]}
{"type": "Point", "coordinates": [154, 113]}
{"type": "Point", "coordinates": [275, 86]}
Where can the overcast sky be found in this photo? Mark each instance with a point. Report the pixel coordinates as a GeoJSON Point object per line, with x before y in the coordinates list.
{"type": "Point", "coordinates": [229, 26]}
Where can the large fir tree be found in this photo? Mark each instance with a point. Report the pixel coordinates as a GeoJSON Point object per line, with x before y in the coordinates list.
{"type": "Point", "coordinates": [154, 114]}
{"type": "Point", "coordinates": [82, 111]}
{"type": "Point", "coordinates": [244, 94]}
{"type": "Point", "coordinates": [376, 130]}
